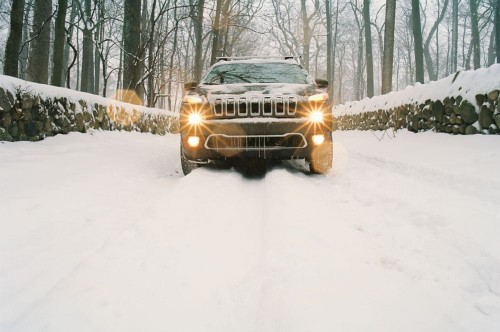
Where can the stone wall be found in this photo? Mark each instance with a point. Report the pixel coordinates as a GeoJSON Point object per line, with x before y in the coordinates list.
{"type": "Point", "coordinates": [451, 115]}
{"type": "Point", "coordinates": [25, 116]}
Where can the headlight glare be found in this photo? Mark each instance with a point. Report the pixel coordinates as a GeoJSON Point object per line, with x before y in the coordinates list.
{"type": "Point", "coordinates": [195, 119]}
{"type": "Point", "coordinates": [316, 116]}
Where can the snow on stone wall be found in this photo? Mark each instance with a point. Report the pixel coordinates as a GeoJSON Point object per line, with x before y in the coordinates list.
{"type": "Point", "coordinates": [30, 111]}
{"type": "Point", "coordinates": [463, 103]}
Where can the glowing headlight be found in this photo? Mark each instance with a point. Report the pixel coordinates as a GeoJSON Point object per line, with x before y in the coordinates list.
{"type": "Point", "coordinates": [316, 116]}
{"type": "Point", "coordinates": [192, 99]}
{"type": "Point", "coordinates": [319, 97]}
{"type": "Point", "coordinates": [195, 119]}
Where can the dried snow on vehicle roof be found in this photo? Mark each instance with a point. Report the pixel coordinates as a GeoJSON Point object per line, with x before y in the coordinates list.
{"type": "Point", "coordinates": [257, 60]}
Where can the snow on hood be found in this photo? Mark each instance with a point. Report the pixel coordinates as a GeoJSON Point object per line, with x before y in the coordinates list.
{"type": "Point", "coordinates": [257, 89]}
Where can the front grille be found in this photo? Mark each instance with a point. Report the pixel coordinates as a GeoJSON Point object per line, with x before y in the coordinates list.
{"type": "Point", "coordinates": [281, 106]}
{"type": "Point", "coordinates": [255, 142]}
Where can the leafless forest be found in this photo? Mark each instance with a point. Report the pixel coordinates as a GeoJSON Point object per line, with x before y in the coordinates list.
{"type": "Point", "coordinates": [365, 47]}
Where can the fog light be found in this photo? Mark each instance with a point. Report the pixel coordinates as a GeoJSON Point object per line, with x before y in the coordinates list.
{"type": "Point", "coordinates": [318, 139]}
{"type": "Point", "coordinates": [193, 141]}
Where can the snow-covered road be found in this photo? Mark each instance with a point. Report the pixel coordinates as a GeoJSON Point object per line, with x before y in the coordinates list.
{"type": "Point", "coordinates": [103, 233]}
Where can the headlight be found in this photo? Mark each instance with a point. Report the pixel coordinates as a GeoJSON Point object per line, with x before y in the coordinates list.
{"type": "Point", "coordinates": [192, 99]}
{"type": "Point", "coordinates": [319, 97]}
{"type": "Point", "coordinates": [316, 116]}
{"type": "Point", "coordinates": [195, 119]}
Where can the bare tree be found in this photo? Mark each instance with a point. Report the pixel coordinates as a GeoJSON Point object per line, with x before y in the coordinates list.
{"type": "Point", "coordinates": [216, 31]}
{"type": "Point", "coordinates": [87, 75]}
{"type": "Point", "coordinates": [427, 53]}
{"type": "Point", "coordinates": [454, 36]}
{"type": "Point", "coordinates": [388, 57]}
{"type": "Point", "coordinates": [13, 46]}
{"type": "Point", "coordinates": [131, 45]}
{"type": "Point", "coordinates": [475, 40]}
{"type": "Point", "coordinates": [197, 17]}
{"type": "Point", "coordinates": [497, 30]}
{"type": "Point", "coordinates": [417, 35]}
{"type": "Point", "coordinates": [59, 40]}
{"type": "Point", "coordinates": [38, 60]}
{"type": "Point", "coordinates": [368, 48]}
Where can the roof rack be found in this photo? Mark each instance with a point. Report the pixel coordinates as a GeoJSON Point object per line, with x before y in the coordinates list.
{"type": "Point", "coordinates": [230, 58]}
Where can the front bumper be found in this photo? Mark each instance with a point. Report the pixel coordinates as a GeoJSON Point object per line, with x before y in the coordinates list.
{"type": "Point", "coordinates": [259, 138]}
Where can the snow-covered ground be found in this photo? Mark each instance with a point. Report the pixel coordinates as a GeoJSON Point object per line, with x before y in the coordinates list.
{"type": "Point", "coordinates": [103, 233]}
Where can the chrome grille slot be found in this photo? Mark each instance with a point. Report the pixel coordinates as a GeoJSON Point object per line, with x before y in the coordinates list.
{"type": "Point", "coordinates": [255, 106]}
{"type": "Point", "coordinates": [242, 107]}
{"type": "Point", "coordinates": [280, 106]}
{"type": "Point", "coordinates": [292, 105]}
{"type": "Point", "coordinates": [230, 107]}
{"type": "Point", "coordinates": [267, 104]}
{"type": "Point", "coordinates": [217, 106]}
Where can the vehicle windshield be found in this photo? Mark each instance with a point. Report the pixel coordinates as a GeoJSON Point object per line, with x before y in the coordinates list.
{"type": "Point", "coordinates": [275, 72]}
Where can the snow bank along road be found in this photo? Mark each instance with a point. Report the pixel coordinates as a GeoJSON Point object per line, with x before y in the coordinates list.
{"type": "Point", "coordinates": [102, 233]}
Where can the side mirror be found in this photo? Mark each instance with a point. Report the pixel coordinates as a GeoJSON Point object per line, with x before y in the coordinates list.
{"type": "Point", "coordinates": [190, 85]}
{"type": "Point", "coordinates": [321, 83]}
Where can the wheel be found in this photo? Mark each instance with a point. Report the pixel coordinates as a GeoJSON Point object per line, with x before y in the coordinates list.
{"type": "Point", "coordinates": [321, 159]}
{"type": "Point", "coordinates": [187, 165]}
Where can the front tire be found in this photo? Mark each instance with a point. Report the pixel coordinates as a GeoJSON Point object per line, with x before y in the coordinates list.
{"type": "Point", "coordinates": [187, 165]}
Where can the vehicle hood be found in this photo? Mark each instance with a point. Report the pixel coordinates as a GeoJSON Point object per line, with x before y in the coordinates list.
{"type": "Point", "coordinates": [257, 89]}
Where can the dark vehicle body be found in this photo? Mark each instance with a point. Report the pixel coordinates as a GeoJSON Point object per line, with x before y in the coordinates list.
{"type": "Point", "coordinates": [256, 109]}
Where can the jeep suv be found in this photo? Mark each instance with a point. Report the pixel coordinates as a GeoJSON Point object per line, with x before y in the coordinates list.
{"type": "Point", "coordinates": [256, 109]}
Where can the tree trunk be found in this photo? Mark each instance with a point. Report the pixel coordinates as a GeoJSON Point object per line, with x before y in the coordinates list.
{"type": "Point", "coordinates": [454, 37]}
{"type": "Point", "coordinates": [23, 56]}
{"type": "Point", "coordinates": [38, 60]}
{"type": "Point", "coordinates": [13, 46]}
{"type": "Point", "coordinates": [72, 17]}
{"type": "Point", "coordinates": [359, 67]}
{"type": "Point", "coordinates": [307, 35]}
{"type": "Point", "coordinates": [198, 37]}
{"type": "Point", "coordinates": [131, 44]}
{"type": "Point", "coordinates": [417, 36]}
{"type": "Point", "coordinates": [59, 41]}
{"type": "Point", "coordinates": [388, 57]}
{"type": "Point", "coordinates": [335, 48]}
{"type": "Point", "coordinates": [476, 52]}
{"type": "Point", "coordinates": [216, 30]}
{"type": "Point", "coordinates": [497, 30]}
{"type": "Point", "coordinates": [491, 48]}
{"type": "Point", "coordinates": [171, 64]}
{"type": "Point", "coordinates": [87, 75]}
{"type": "Point", "coordinates": [368, 48]}
{"type": "Point", "coordinates": [427, 52]}
{"type": "Point", "coordinates": [151, 58]}
{"type": "Point", "coordinates": [329, 60]}
{"type": "Point", "coordinates": [99, 32]}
